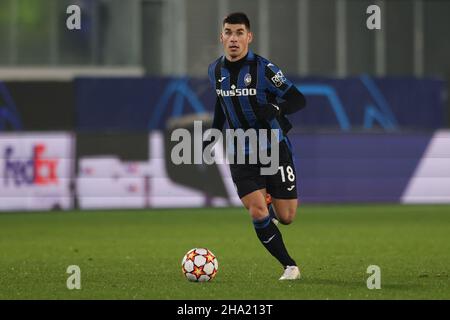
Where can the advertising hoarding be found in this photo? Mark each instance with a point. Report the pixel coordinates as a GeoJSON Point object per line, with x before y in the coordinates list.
{"type": "Point", "coordinates": [36, 171]}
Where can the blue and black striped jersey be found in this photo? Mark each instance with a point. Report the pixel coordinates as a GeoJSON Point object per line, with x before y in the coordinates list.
{"type": "Point", "coordinates": [255, 83]}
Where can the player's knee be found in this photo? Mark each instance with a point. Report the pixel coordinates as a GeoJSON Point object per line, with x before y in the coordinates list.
{"type": "Point", "coordinates": [286, 220]}
{"type": "Point", "coordinates": [258, 211]}
{"type": "Point", "coordinates": [288, 217]}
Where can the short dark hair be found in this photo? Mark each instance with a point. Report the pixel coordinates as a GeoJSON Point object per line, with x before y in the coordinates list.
{"type": "Point", "coordinates": [237, 18]}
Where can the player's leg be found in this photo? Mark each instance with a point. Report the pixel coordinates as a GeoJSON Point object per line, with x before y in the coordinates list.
{"type": "Point", "coordinates": [250, 186]}
{"type": "Point", "coordinates": [282, 188]}
{"type": "Point", "coordinates": [285, 209]}
{"type": "Point", "coordinates": [270, 208]}
{"type": "Point", "coordinates": [267, 232]}
{"type": "Point", "coordinates": [254, 202]}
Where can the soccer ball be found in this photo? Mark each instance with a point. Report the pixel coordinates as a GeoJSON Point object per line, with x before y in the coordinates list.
{"type": "Point", "coordinates": [199, 265]}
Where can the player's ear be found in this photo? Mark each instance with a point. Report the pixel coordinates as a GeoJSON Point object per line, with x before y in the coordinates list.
{"type": "Point", "coordinates": [221, 37]}
{"type": "Point", "coordinates": [250, 37]}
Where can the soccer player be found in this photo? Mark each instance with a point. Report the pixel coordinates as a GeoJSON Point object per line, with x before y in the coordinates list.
{"type": "Point", "coordinates": [269, 97]}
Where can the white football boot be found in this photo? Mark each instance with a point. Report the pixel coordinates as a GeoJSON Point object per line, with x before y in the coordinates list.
{"type": "Point", "coordinates": [291, 273]}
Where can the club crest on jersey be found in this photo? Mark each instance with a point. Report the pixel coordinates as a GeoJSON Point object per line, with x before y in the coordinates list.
{"type": "Point", "coordinates": [247, 79]}
{"type": "Point", "coordinates": [278, 79]}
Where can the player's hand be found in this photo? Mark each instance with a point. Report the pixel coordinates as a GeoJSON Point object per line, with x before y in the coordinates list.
{"type": "Point", "coordinates": [268, 111]}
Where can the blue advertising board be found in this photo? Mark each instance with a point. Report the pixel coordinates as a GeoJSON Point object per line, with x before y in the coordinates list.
{"type": "Point", "coordinates": [140, 104]}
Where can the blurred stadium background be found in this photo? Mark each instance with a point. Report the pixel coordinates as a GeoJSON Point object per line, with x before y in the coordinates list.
{"type": "Point", "coordinates": [85, 123]}
{"type": "Point", "coordinates": [85, 114]}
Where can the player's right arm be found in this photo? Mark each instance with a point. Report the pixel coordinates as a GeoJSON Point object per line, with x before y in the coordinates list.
{"type": "Point", "coordinates": [219, 116]}
{"type": "Point", "coordinates": [218, 121]}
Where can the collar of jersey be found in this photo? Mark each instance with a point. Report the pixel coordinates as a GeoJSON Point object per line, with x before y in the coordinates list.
{"type": "Point", "coordinates": [250, 57]}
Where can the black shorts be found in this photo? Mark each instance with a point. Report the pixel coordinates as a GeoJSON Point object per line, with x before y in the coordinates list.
{"type": "Point", "coordinates": [282, 185]}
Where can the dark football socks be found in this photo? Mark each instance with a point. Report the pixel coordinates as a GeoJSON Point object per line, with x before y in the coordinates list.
{"type": "Point", "coordinates": [270, 237]}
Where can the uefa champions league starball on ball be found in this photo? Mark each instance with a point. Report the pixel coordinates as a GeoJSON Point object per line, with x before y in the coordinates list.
{"type": "Point", "coordinates": [199, 265]}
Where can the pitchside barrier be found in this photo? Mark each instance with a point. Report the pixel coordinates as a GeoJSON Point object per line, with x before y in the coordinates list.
{"type": "Point", "coordinates": [140, 104]}
{"type": "Point", "coordinates": [105, 142]}
{"type": "Point", "coordinates": [387, 104]}
{"type": "Point", "coordinates": [40, 171]}
{"type": "Point", "coordinates": [37, 171]}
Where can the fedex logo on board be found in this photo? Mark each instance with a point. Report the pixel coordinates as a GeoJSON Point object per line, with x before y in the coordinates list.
{"type": "Point", "coordinates": [37, 170]}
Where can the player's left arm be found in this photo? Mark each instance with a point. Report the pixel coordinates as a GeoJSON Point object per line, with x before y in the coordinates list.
{"type": "Point", "coordinates": [292, 99]}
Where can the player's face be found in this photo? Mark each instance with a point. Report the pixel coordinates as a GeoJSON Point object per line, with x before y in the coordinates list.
{"type": "Point", "coordinates": [235, 39]}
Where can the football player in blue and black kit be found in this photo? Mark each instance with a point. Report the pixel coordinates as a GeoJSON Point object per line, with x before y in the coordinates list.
{"type": "Point", "coordinates": [253, 93]}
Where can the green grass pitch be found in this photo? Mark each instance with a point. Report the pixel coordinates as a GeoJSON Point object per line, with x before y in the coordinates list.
{"type": "Point", "coordinates": [137, 254]}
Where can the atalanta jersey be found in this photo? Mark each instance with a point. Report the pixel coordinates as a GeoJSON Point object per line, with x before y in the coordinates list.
{"type": "Point", "coordinates": [245, 85]}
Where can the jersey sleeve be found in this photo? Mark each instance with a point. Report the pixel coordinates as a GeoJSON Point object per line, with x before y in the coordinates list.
{"type": "Point", "coordinates": [211, 75]}
{"type": "Point", "coordinates": [276, 81]}
{"type": "Point", "coordinates": [219, 116]}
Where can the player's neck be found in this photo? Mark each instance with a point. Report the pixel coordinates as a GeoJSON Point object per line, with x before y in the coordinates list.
{"type": "Point", "coordinates": [236, 64]}
{"type": "Point", "coordinates": [236, 59]}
